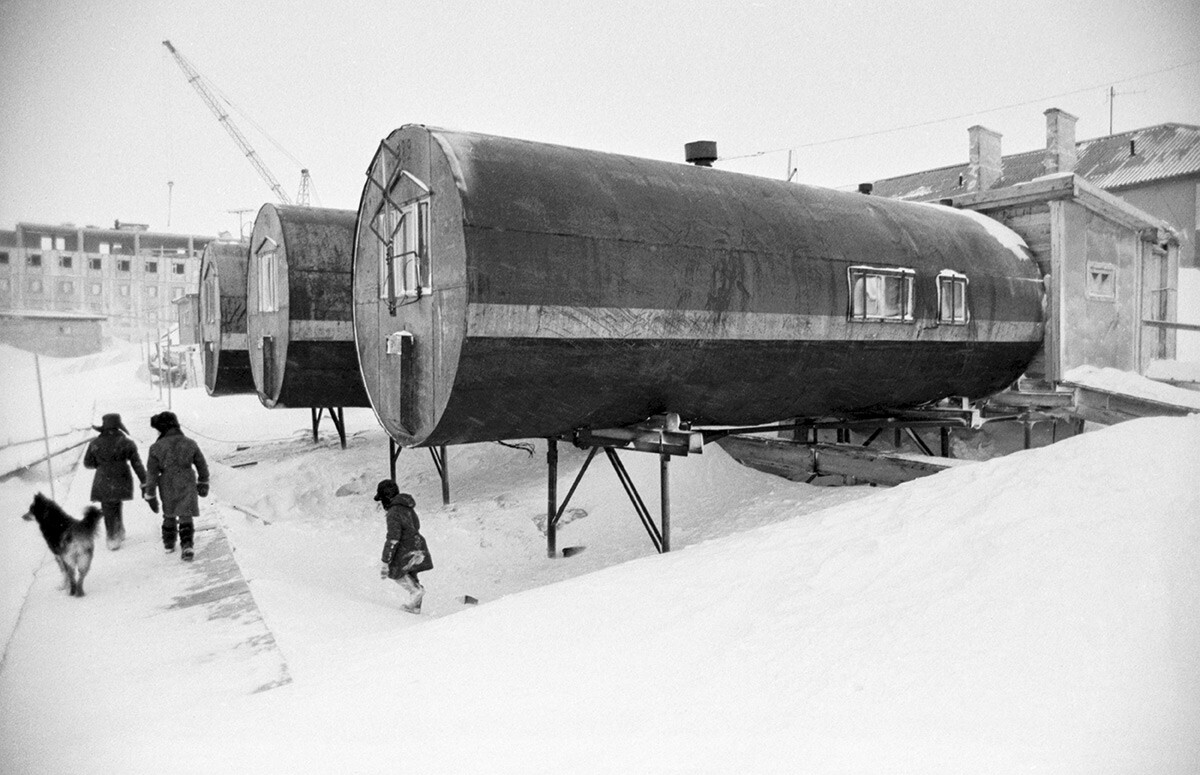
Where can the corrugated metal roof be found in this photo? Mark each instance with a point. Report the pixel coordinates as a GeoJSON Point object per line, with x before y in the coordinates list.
{"type": "Point", "coordinates": [1157, 153]}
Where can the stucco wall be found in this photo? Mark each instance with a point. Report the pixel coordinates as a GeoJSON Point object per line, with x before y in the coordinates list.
{"type": "Point", "coordinates": [1096, 331]}
{"type": "Point", "coordinates": [1175, 202]}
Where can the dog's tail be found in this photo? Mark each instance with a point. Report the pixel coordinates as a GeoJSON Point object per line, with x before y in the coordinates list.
{"type": "Point", "coordinates": [91, 518]}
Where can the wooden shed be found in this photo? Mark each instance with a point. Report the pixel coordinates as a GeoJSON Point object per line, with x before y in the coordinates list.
{"type": "Point", "coordinates": [1111, 272]}
{"type": "Point", "coordinates": [299, 326]}
{"type": "Point", "coordinates": [223, 318]}
{"type": "Point", "coordinates": [187, 317]}
{"type": "Point", "coordinates": [57, 334]}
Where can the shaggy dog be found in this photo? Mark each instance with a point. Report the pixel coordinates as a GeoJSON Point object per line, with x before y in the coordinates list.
{"type": "Point", "coordinates": [71, 540]}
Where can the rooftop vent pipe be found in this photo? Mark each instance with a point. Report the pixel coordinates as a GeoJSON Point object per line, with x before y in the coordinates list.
{"type": "Point", "coordinates": [702, 153]}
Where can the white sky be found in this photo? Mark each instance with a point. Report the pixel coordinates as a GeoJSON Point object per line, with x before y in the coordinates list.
{"type": "Point", "coordinates": [97, 117]}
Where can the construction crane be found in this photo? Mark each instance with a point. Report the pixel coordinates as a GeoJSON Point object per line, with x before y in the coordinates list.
{"type": "Point", "coordinates": [210, 99]}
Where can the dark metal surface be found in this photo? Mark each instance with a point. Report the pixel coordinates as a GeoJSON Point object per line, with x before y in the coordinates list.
{"type": "Point", "coordinates": [577, 289]}
{"type": "Point", "coordinates": [311, 360]}
{"type": "Point", "coordinates": [223, 338]}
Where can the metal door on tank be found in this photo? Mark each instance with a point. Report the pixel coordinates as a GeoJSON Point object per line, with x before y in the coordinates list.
{"type": "Point", "coordinates": [268, 365]}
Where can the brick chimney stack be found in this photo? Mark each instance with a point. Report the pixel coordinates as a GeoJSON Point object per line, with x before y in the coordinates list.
{"type": "Point", "coordinates": [1060, 141]}
{"type": "Point", "coordinates": [984, 169]}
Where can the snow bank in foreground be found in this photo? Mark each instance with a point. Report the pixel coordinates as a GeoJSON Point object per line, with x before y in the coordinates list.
{"type": "Point", "coordinates": [1038, 612]}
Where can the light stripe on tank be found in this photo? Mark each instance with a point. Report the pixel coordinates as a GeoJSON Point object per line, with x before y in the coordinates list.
{"type": "Point", "coordinates": [532, 321]}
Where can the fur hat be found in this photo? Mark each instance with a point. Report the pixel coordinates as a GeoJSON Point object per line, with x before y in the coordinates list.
{"type": "Point", "coordinates": [386, 490]}
{"type": "Point", "coordinates": [111, 422]}
{"type": "Point", "coordinates": [164, 421]}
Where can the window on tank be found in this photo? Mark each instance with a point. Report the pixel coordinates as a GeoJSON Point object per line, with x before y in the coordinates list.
{"type": "Point", "coordinates": [404, 250]}
{"type": "Point", "coordinates": [952, 298]}
{"type": "Point", "coordinates": [881, 294]}
{"type": "Point", "coordinates": [268, 279]}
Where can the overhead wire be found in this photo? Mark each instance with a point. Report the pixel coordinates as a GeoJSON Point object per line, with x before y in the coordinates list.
{"type": "Point", "coordinates": [960, 116]}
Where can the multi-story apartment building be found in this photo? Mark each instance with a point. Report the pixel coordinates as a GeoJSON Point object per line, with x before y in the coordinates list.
{"type": "Point", "coordinates": [126, 273]}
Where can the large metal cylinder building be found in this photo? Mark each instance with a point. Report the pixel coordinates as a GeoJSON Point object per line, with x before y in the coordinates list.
{"type": "Point", "coordinates": [223, 318]}
{"type": "Point", "coordinates": [301, 338]}
{"type": "Point", "coordinates": [511, 289]}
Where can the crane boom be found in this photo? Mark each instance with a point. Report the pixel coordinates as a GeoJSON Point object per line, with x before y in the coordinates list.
{"type": "Point", "coordinates": [210, 99]}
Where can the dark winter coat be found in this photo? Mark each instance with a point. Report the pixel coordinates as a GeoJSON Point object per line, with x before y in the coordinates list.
{"type": "Point", "coordinates": [111, 454]}
{"type": "Point", "coordinates": [405, 550]}
{"type": "Point", "coordinates": [174, 466]}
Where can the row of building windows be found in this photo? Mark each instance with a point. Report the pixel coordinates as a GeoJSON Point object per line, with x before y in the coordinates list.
{"type": "Point", "coordinates": [36, 285]}
{"type": "Point", "coordinates": [97, 264]}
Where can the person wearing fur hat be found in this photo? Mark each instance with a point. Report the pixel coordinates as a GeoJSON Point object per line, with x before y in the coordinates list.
{"type": "Point", "coordinates": [177, 472]}
{"type": "Point", "coordinates": [405, 553]}
{"type": "Point", "coordinates": [112, 454]}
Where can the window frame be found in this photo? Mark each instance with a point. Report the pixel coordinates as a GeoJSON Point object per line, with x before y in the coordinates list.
{"type": "Point", "coordinates": [948, 278]}
{"type": "Point", "coordinates": [1107, 270]}
{"type": "Point", "coordinates": [412, 281]}
{"type": "Point", "coordinates": [268, 276]}
{"type": "Point", "coordinates": [881, 275]}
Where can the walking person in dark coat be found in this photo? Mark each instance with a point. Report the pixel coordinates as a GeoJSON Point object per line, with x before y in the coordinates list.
{"type": "Point", "coordinates": [405, 553]}
{"type": "Point", "coordinates": [176, 469]}
{"type": "Point", "coordinates": [112, 454]}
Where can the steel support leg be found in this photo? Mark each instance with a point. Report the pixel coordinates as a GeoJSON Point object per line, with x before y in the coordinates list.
{"type": "Point", "coordinates": [441, 463]}
{"type": "Point", "coordinates": [316, 413]}
{"type": "Point", "coordinates": [338, 415]}
{"type": "Point", "coordinates": [551, 497]}
{"type": "Point", "coordinates": [635, 498]}
{"type": "Point", "coordinates": [394, 451]}
{"type": "Point", "coordinates": [665, 489]}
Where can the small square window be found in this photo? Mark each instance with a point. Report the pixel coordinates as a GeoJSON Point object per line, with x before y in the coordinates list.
{"type": "Point", "coordinates": [33, 259]}
{"type": "Point", "coordinates": [123, 289]}
{"type": "Point", "coordinates": [3, 258]}
{"type": "Point", "coordinates": [123, 265]}
{"type": "Point", "coordinates": [47, 243]}
{"type": "Point", "coordinates": [97, 289]}
{"type": "Point", "coordinates": [66, 262]}
{"type": "Point", "coordinates": [104, 248]}
{"type": "Point", "coordinates": [66, 286]}
{"type": "Point", "coordinates": [152, 291]}
{"type": "Point", "coordinates": [60, 243]}
{"type": "Point", "coordinates": [176, 293]}
{"type": "Point", "coordinates": [1101, 281]}
{"type": "Point", "coordinates": [34, 285]}
{"type": "Point", "coordinates": [881, 294]}
{"type": "Point", "coordinates": [152, 267]}
{"type": "Point", "coordinates": [177, 268]}
{"type": "Point", "coordinates": [95, 264]}
{"type": "Point", "coordinates": [5, 285]}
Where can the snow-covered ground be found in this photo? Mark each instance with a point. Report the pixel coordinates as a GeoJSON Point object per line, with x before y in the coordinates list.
{"type": "Point", "coordinates": [1038, 612]}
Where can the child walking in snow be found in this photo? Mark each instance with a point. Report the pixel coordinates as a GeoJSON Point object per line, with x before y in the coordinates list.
{"type": "Point", "coordinates": [112, 454]}
{"type": "Point", "coordinates": [177, 469]}
{"type": "Point", "coordinates": [405, 553]}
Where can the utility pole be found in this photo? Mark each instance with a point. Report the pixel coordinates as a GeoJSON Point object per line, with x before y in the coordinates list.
{"type": "Point", "coordinates": [241, 224]}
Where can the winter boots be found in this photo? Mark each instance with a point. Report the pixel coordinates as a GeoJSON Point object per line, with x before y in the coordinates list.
{"type": "Point", "coordinates": [114, 527]}
{"type": "Point", "coordinates": [186, 531]}
{"type": "Point", "coordinates": [168, 534]}
{"type": "Point", "coordinates": [415, 590]}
